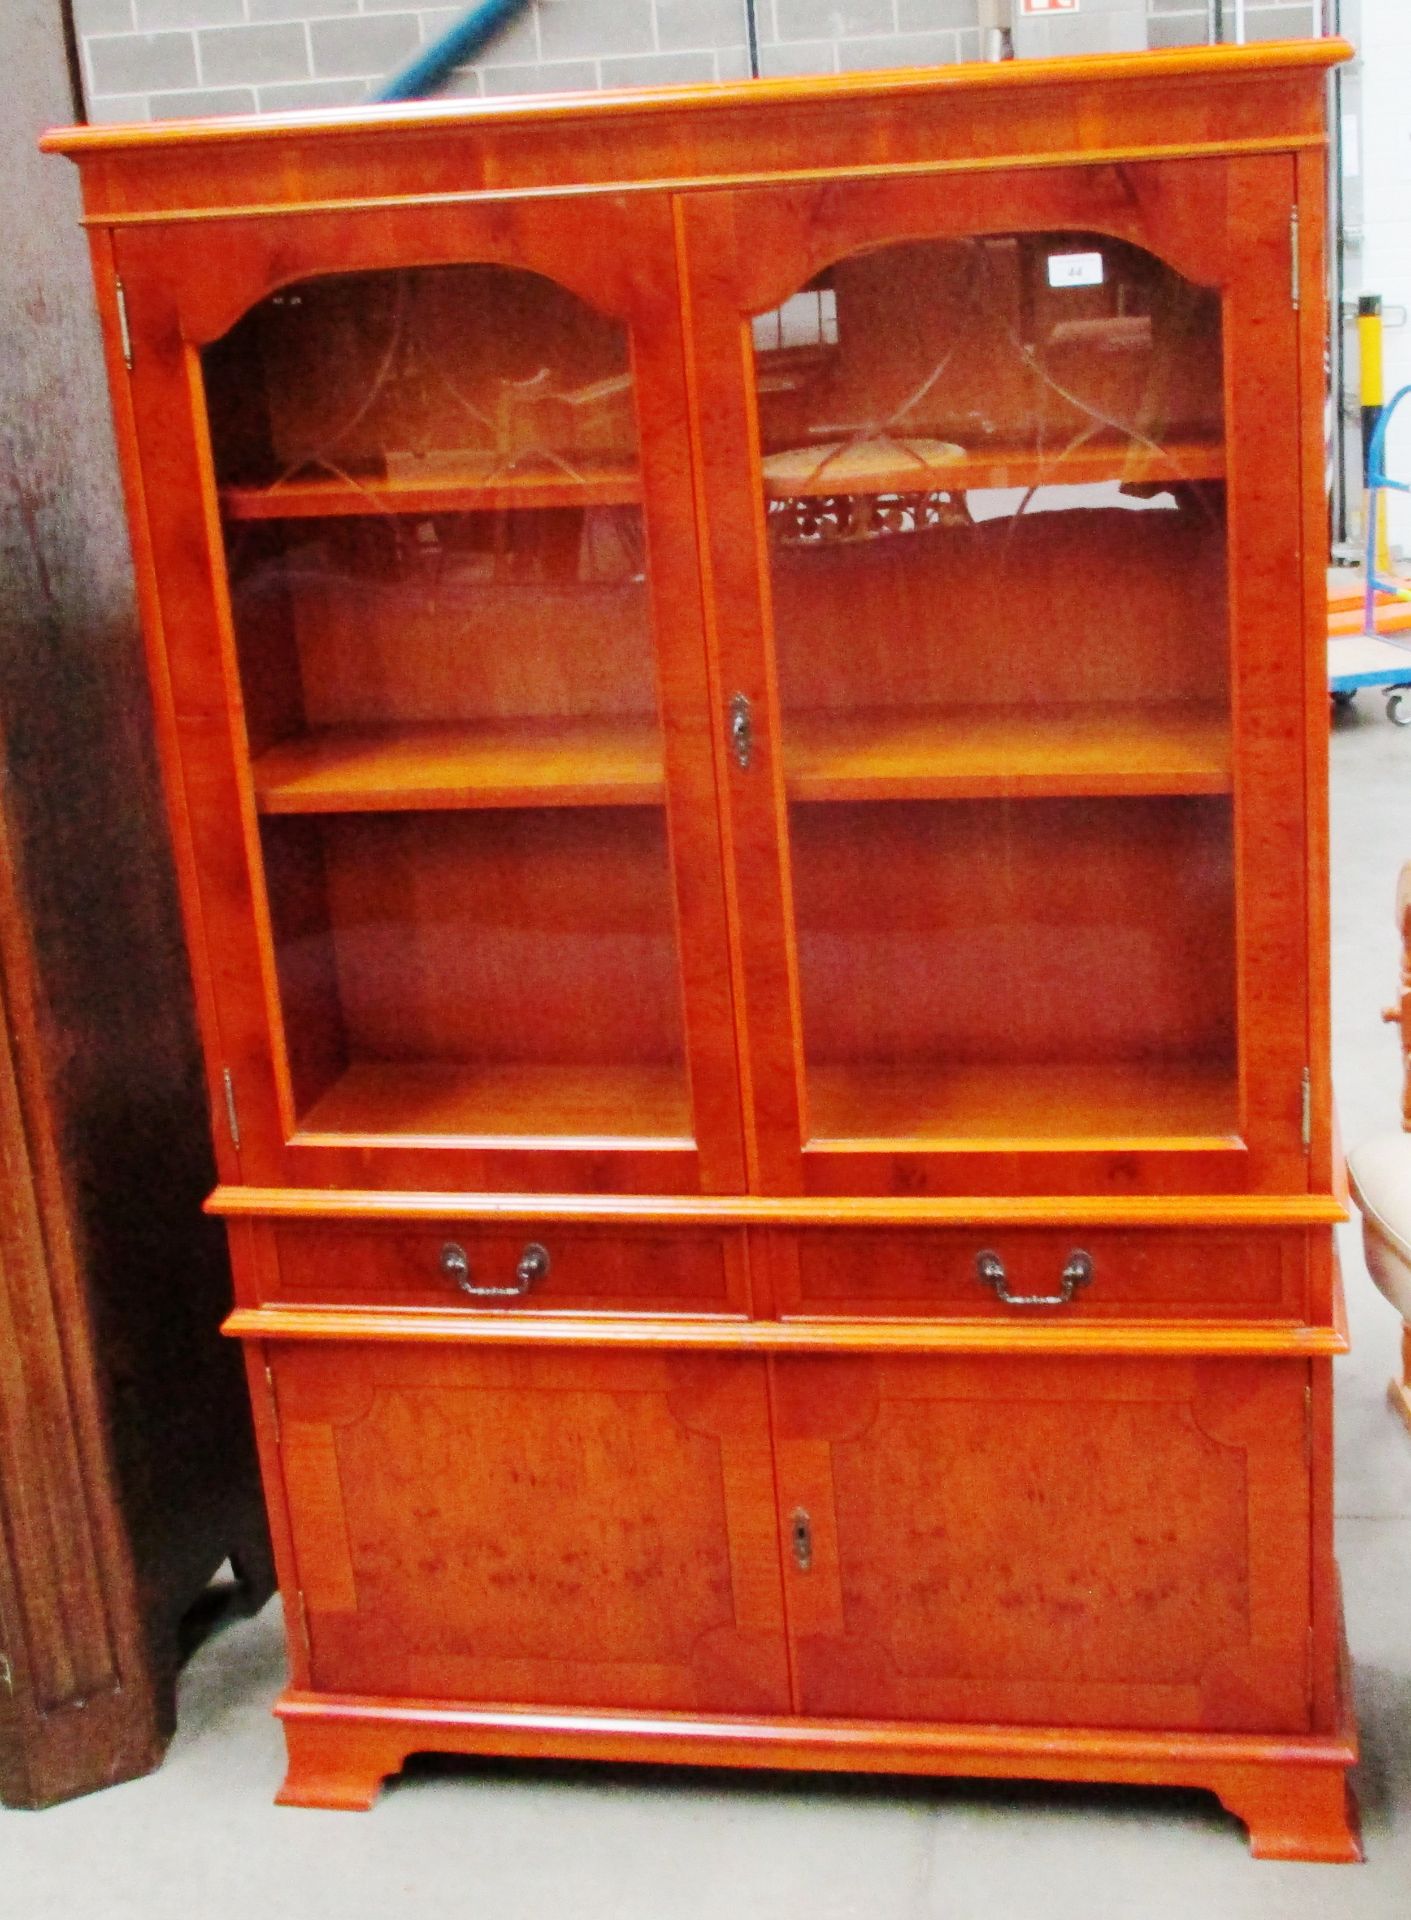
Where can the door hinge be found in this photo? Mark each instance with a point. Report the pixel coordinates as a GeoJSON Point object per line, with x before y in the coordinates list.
{"type": "Point", "coordinates": [1309, 1666]}
{"type": "Point", "coordinates": [124, 330]}
{"type": "Point", "coordinates": [1305, 1121]}
{"type": "Point", "coordinates": [1295, 261]}
{"type": "Point", "coordinates": [801, 1538]}
{"type": "Point", "coordinates": [273, 1403]}
{"type": "Point", "coordinates": [232, 1118]}
{"type": "Point", "coordinates": [741, 730]}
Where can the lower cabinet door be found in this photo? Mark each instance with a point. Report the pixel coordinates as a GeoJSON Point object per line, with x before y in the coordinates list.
{"type": "Point", "coordinates": [1047, 1541]}
{"type": "Point", "coordinates": [501, 1525]}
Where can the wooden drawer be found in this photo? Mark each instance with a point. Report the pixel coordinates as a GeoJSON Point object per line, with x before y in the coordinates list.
{"type": "Point", "coordinates": [1210, 1273]}
{"type": "Point", "coordinates": [525, 1268]}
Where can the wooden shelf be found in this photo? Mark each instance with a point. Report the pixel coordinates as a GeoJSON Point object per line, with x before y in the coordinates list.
{"type": "Point", "coordinates": [623, 1105]}
{"type": "Point", "coordinates": [1086, 465]}
{"type": "Point", "coordinates": [968, 753]}
{"type": "Point", "coordinates": [880, 754]}
{"type": "Point", "coordinates": [1049, 1105]}
{"type": "Point", "coordinates": [446, 490]}
{"type": "Point", "coordinates": [539, 763]}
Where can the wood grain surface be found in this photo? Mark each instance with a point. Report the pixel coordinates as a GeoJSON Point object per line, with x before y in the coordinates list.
{"type": "Point", "coordinates": [126, 1468]}
{"type": "Point", "coordinates": [623, 809]}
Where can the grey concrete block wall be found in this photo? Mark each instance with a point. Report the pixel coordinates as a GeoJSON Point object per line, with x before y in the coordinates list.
{"type": "Point", "coordinates": [1099, 26]}
{"type": "Point", "coordinates": [855, 36]}
{"type": "Point", "coordinates": [1184, 23]}
{"type": "Point", "coordinates": [162, 59]}
{"type": "Point", "coordinates": [158, 59]}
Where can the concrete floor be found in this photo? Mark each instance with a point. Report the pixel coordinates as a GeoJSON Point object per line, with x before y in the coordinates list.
{"type": "Point", "coordinates": [201, 1836]}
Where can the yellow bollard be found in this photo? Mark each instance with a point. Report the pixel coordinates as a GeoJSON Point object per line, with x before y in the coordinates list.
{"type": "Point", "coordinates": [1369, 342]}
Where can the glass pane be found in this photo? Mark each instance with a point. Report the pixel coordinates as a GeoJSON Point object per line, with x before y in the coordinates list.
{"type": "Point", "coordinates": [993, 472]}
{"type": "Point", "coordinates": [431, 498]}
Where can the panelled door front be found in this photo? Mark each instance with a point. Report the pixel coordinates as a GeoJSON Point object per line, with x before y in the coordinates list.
{"type": "Point", "coordinates": [1003, 508]}
{"type": "Point", "coordinates": [1047, 1542]}
{"type": "Point", "coordinates": [419, 490]}
{"type": "Point", "coordinates": [561, 1528]}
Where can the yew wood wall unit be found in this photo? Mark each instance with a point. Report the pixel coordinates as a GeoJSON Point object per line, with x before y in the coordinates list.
{"type": "Point", "coordinates": [740, 685]}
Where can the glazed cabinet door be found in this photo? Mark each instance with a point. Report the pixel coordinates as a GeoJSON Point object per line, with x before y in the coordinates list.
{"type": "Point", "coordinates": [1048, 1541]}
{"type": "Point", "coordinates": [1002, 481]}
{"type": "Point", "coordinates": [539, 1528]}
{"type": "Point", "coordinates": [428, 621]}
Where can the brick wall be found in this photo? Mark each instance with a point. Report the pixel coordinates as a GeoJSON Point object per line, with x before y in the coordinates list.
{"type": "Point", "coordinates": [159, 59]}
{"type": "Point", "coordinates": [162, 59]}
{"type": "Point", "coordinates": [1181, 23]}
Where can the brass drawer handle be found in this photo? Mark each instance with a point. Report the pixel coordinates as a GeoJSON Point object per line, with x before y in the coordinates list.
{"type": "Point", "coordinates": [1077, 1273]}
{"type": "Point", "coordinates": [533, 1265]}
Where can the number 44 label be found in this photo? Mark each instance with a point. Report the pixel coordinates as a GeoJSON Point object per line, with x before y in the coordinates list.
{"type": "Point", "coordinates": [1048, 6]}
{"type": "Point", "coordinates": [1075, 269]}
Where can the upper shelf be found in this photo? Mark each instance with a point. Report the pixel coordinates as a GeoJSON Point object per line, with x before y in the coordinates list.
{"type": "Point", "coordinates": [463, 488]}
{"type": "Point", "coordinates": [446, 488]}
{"type": "Point", "coordinates": [956, 753]}
{"type": "Point", "coordinates": [980, 753]}
{"type": "Point", "coordinates": [809, 473]}
{"type": "Point", "coordinates": [460, 765]}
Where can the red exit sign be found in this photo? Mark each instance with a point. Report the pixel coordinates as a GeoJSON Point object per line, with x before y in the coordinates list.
{"type": "Point", "coordinates": [1048, 6]}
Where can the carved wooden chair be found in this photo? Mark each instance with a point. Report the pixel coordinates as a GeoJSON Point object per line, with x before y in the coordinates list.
{"type": "Point", "coordinates": [1380, 1173]}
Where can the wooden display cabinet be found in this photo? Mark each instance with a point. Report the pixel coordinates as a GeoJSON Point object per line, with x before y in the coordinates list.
{"type": "Point", "coordinates": [739, 673]}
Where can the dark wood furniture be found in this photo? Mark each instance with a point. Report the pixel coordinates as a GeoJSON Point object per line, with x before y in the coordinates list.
{"type": "Point", "coordinates": [740, 679]}
{"type": "Point", "coordinates": [127, 1471]}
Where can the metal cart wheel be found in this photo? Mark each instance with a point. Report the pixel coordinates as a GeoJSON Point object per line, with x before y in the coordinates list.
{"type": "Point", "coordinates": [1344, 699]}
{"type": "Point", "coordinates": [1397, 712]}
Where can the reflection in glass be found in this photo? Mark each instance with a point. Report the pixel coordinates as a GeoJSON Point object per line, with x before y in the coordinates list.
{"type": "Point", "coordinates": [437, 567]}
{"type": "Point", "coordinates": [993, 470]}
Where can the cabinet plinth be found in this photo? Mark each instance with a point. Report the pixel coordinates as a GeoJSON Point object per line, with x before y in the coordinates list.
{"type": "Point", "coordinates": [740, 754]}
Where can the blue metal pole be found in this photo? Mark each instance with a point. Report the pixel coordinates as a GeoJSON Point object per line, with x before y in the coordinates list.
{"type": "Point", "coordinates": [433, 65]}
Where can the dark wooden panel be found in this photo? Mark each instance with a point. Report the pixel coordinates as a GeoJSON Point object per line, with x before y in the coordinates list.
{"type": "Point", "coordinates": [126, 1474]}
